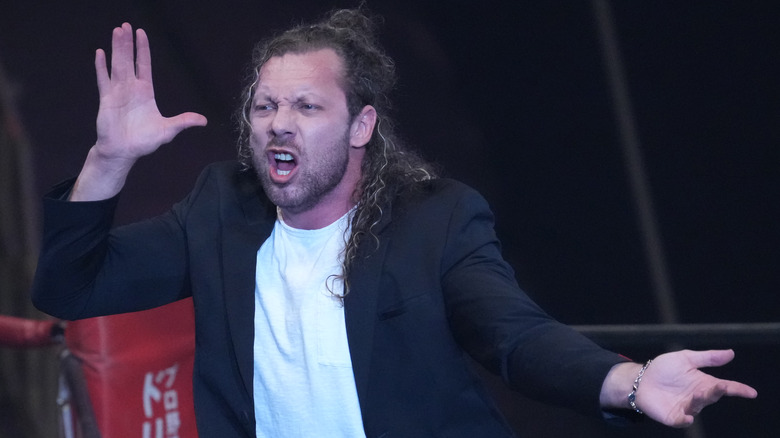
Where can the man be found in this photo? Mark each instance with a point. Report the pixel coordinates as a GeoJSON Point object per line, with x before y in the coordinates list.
{"type": "Point", "coordinates": [337, 282]}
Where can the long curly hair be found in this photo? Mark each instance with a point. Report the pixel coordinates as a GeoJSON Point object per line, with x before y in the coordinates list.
{"type": "Point", "coordinates": [388, 165]}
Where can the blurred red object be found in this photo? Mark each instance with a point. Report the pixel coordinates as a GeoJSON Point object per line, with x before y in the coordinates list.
{"type": "Point", "coordinates": [29, 333]}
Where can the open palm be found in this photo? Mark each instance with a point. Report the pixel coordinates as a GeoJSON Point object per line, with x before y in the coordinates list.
{"type": "Point", "coordinates": [674, 390]}
{"type": "Point", "coordinates": [129, 124]}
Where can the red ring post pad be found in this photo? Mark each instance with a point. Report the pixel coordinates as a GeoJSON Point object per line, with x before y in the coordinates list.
{"type": "Point", "coordinates": [138, 370]}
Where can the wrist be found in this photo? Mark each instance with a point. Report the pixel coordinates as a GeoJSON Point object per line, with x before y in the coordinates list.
{"type": "Point", "coordinates": [101, 177]}
{"type": "Point", "coordinates": [618, 384]}
{"type": "Point", "coordinates": [635, 388]}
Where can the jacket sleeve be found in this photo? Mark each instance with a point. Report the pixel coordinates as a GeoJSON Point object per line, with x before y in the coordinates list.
{"type": "Point", "coordinates": [87, 269]}
{"type": "Point", "coordinates": [503, 329]}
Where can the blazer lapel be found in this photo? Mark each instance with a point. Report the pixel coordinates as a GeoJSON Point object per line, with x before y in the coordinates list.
{"type": "Point", "coordinates": [361, 302]}
{"type": "Point", "coordinates": [242, 236]}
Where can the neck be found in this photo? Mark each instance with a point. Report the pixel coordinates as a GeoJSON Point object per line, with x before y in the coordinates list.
{"type": "Point", "coordinates": [315, 218]}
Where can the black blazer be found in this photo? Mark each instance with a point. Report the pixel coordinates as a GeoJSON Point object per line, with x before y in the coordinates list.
{"type": "Point", "coordinates": [432, 287]}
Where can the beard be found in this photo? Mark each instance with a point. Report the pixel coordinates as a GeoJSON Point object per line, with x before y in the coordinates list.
{"type": "Point", "coordinates": [315, 177]}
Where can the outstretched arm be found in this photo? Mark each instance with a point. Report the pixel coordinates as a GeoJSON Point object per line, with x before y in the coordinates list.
{"type": "Point", "coordinates": [129, 125]}
{"type": "Point", "coordinates": [673, 389]}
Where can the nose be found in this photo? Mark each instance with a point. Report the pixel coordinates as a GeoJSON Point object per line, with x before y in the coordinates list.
{"type": "Point", "coordinates": [282, 124]}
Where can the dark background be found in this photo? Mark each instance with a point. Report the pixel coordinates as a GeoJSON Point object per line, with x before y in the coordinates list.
{"type": "Point", "coordinates": [512, 98]}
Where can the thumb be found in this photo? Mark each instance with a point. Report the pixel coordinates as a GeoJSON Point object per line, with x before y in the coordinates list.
{"type": "Point", "coordinates": [710, 358]}
{"type": "Point", "coordinates": [177, 124]}
{"type": "Point", "coordinates": [187, 120]}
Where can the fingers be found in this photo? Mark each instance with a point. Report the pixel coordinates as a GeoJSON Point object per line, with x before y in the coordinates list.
{"type": "Point", "coordinates": [686, 421]}
{"type": "Point", "coordinates": [122, 59]}
{"type": "Point", "coordinates": [737, 389]}
{"type": "Point", "coordinates": [101, 71]}
{"type": "Point", "coordinates": [143, 56]}
{"type": "Point", "coordinates": [709, 397]}
{"type": "Point", "coordinates": [129, 59]}
{"type": "Point", "coordinates": [712, 394]}
{"type": "Point", "coordinates": [685, 417]}
{"type": "Point", "coordinates": [715, 358]}
{"type": "Point", "coordinates": [706, 398]}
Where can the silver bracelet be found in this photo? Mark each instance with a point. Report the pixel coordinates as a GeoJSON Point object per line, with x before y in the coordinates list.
{"type": "Point", "coordinates": [632, 396]}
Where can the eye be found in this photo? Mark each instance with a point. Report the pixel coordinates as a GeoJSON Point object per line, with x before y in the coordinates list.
{"type": "Point", "coordinates": [308, 107]}
{"type": "Point", "coordinates": [261, 108]}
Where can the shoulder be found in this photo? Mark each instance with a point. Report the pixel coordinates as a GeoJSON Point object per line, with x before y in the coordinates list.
{"type": "Point", "coordinates": [436, 188]}
{"type": "Point", "coordinates": [226, 185]}
{"type": "Point", "coordinates": [439, 191]}
{"type": "Point", "coordinates": [226, 171]}
{"type": "Point", "coordinates": [227, 175]}
{"type": "Point", "coordinates": [438, 199]}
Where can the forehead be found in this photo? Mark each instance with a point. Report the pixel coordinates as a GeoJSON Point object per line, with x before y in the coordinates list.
{"type": "Point", "coordinates": [316, 71]}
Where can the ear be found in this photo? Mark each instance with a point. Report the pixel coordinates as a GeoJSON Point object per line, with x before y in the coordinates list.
{"type": "Point", "coordinates": [362, 127]}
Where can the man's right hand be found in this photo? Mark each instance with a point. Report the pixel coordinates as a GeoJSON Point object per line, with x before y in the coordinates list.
{"type": "Point", "coordinates": [129, 125]}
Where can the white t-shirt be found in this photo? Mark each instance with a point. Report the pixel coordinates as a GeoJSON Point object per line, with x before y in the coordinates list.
{"type": "Point", "coordinates": [303, 381]}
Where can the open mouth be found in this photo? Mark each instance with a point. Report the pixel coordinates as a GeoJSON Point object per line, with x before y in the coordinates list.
{"type": "Point", "coordinates": [282, 163]}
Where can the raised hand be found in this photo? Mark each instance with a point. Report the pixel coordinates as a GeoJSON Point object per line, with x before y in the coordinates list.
{"type": "Point", "coordinates": [673, 389]}
{"type": "Point", "coordinates": [129, 124]}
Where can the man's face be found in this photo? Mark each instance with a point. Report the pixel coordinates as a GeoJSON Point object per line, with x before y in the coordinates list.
{"type": "Point", "coordinates": [301, 130]}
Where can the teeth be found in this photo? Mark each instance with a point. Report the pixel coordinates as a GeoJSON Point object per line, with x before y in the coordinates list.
{"type": "Point", "coordinates": [282, 172]}
{"type": "Point", "coordinates": [283, 157]}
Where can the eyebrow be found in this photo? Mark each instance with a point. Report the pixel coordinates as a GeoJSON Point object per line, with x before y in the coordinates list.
{"type": "Point", "coordinates": [297, 97]}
